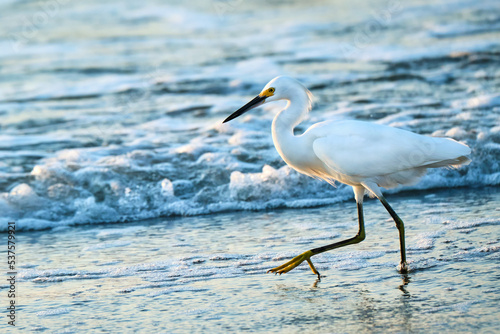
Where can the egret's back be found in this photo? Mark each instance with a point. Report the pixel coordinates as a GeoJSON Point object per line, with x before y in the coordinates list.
{"type": "Point", "coordinates": [385, 155]}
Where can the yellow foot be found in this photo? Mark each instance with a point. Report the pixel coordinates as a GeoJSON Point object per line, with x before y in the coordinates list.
{"type": "Point", "coordinates": [286, 267]}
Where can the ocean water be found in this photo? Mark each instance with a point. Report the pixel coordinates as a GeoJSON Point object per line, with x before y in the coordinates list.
{"type": "Point", "coordinates": [117, 170]}
{"type": "Point", "coordinates": [208, 273]}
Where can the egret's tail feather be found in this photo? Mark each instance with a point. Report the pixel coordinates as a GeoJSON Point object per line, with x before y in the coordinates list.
{"type": "Point", "coordinates": [452, 163]}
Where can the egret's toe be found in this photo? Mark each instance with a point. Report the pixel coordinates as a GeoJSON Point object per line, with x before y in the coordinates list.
{"type": "Point", "coordinates": [293, 263]}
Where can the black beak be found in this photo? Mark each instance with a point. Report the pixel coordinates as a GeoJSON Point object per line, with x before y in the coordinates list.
{"type": "Point", "coordinates": [257, 101]}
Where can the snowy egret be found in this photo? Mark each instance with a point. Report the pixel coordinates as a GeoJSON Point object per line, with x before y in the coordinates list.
{"type": "Point", "coordinates": [366, 156]}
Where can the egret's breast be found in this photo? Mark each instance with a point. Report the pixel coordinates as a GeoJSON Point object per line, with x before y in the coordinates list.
{"type": "Point", "coordinates": [297, 153]}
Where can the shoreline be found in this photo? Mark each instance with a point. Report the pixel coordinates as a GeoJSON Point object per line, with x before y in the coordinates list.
{"type": "Point", "coordinates": [221, 260]}
{"type": "Point", "coordinates": [390, 196]}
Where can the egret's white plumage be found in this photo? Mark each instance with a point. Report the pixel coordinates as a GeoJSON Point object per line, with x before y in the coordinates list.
{"type": "Point", "coordinates": [364, 155]}
{"type": "Point", "coordinates": [354, 152]}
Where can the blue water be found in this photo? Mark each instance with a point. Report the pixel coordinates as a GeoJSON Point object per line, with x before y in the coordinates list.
{"type": "Point", "coordinates": [208, 273]}
{"type": "Point", "coordinates": [131, 197]}
{"type": "Point", "coordinates": [112, 111]}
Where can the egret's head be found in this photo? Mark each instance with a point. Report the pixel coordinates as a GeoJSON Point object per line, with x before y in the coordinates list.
{"type": "Point", "coordinates": [280, 88]}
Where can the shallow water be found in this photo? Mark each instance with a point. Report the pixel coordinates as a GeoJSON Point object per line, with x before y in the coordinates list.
{"type": "Point", "coordinates": [207, 273]}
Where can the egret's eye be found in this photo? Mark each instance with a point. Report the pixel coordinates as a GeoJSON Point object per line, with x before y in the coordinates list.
{"type": "Point", "coordinates": [268, 92]}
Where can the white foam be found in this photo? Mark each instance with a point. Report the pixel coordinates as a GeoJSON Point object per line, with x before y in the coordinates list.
{"type": "Point", "coordinates": [53, 312]}
{"type": "Point", "coordinates": [11, 141]}
{"type": "Point", "coordinates": [480, 101]}
{"type": "Point", "coordinates": [117, 232]}
{"type": "Point", "coordinates": [106, 245]}
{"type": "Point", "coordinates": [114, 142]}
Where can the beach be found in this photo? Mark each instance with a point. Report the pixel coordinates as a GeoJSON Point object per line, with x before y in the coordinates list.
{"type": "Point", "coordinates": [208, 273]}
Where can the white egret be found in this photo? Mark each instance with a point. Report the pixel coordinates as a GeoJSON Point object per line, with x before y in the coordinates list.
{"type": "Point", "coordinates": [366, 156]}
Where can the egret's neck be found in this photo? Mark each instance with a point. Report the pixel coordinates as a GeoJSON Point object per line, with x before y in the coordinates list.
{"type": "Point", "coordinates": [295, 150]}
{"type": "Point", "coordinates": [295, 111]}
{"type": "Point", "coordinates": [286, 120]}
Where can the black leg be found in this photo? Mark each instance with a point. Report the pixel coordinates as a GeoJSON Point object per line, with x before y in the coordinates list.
{"type": "Point", "coordinates": [354, 240]}
{"type": "Point", "coordinates": [286, 267]}
{"type": "Point", "coordinates": [401, 228]}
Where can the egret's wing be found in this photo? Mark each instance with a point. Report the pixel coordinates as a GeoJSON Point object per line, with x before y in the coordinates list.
{"type": "Point", "coordinates": [367, 149]}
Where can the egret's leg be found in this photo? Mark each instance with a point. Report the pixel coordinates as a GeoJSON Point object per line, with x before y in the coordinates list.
{"type": "Point", "coordinates": [401, 228]}
{"type": "Point", "coordinates": [286, 267]}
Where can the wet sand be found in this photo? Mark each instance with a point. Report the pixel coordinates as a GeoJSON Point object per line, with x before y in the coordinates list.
{"type": "Point", "coordinates": [208, 273]}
